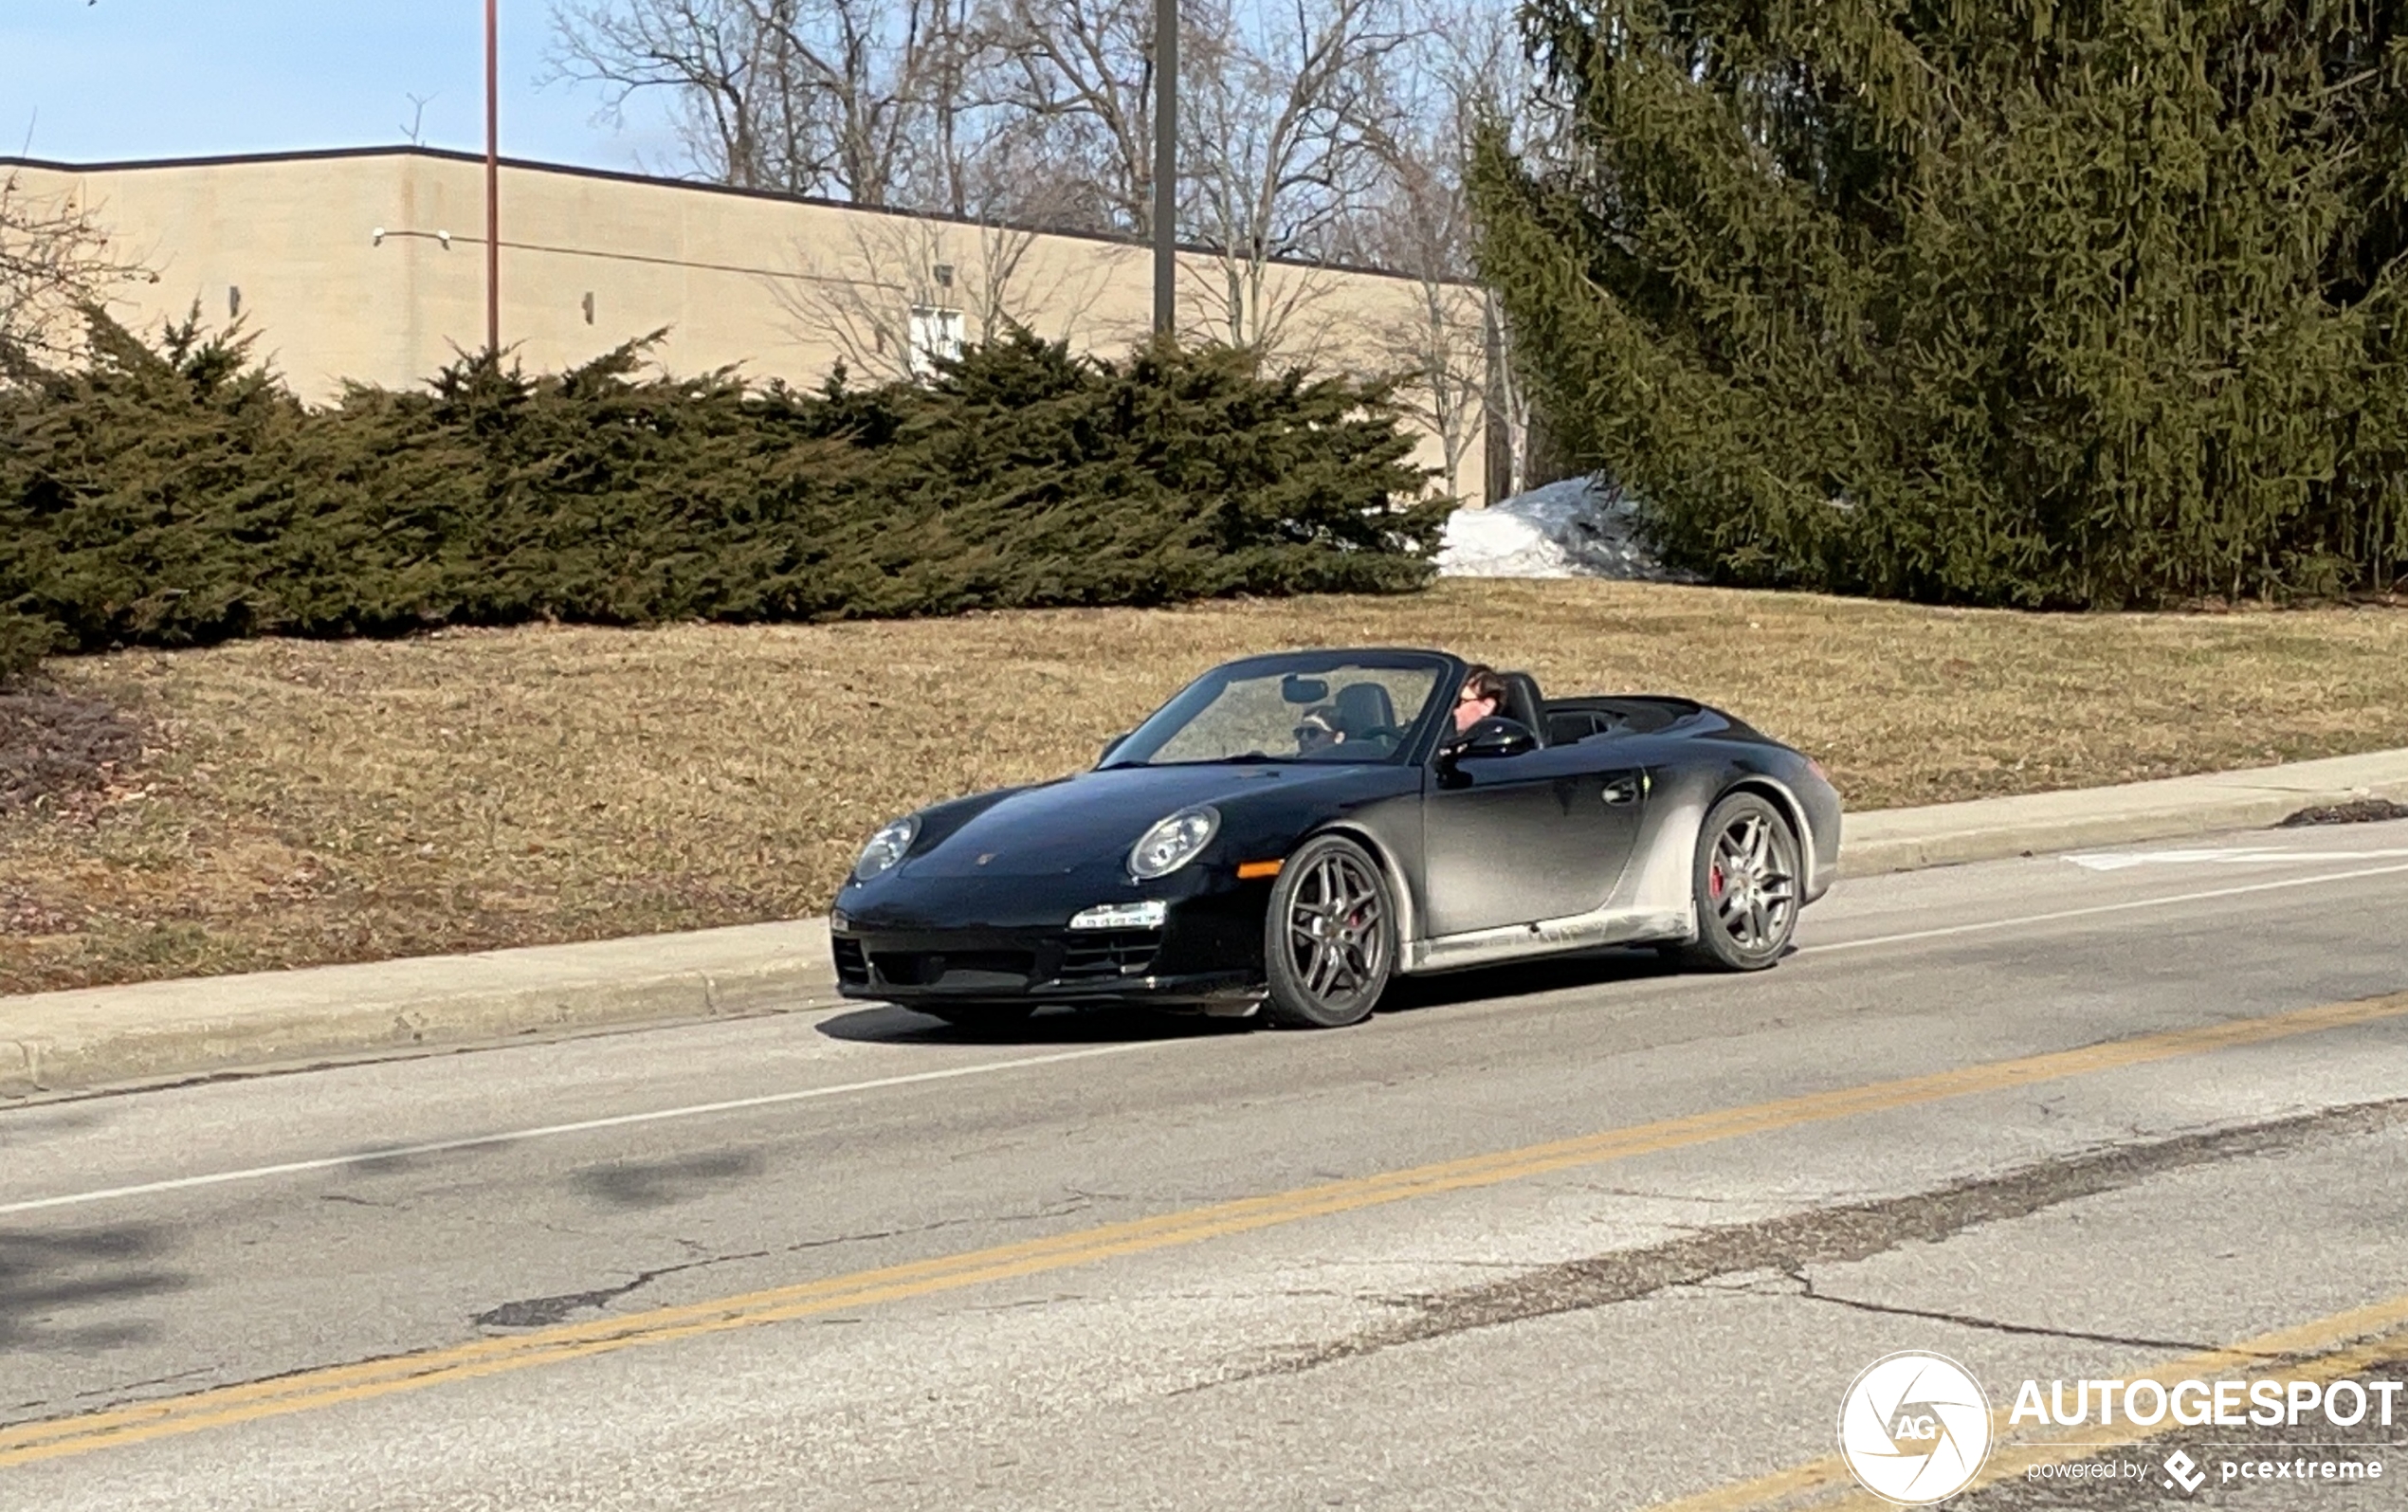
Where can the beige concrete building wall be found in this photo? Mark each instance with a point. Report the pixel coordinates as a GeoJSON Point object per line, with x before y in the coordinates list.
{"type": "Point", "coordinates": [370, 265]}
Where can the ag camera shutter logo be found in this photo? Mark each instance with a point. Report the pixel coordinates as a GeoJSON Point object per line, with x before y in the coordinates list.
{"type": "Point", "coordinates": [1915, 1427]}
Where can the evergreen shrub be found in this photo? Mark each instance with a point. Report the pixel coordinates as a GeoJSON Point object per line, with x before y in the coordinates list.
{"type": "Point", "coordinates": [177, 494]}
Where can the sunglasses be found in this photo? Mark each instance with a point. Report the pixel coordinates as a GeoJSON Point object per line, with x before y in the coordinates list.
{"type": "Point", "coordinates": [1307, 734]}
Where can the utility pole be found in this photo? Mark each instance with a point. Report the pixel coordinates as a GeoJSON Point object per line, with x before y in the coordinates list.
{"type": "Point", "coordinates": [1166, 164]}
{"type": "Point", "coordinates": [493, 186]}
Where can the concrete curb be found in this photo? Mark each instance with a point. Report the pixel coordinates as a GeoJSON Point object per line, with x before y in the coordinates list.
{"type": "Point", "coordinates": [1993, 829]}
{"type": "Point", "coordinates": [92, 1037]}
{"type": "Point", "coordinates": [100, 1035]}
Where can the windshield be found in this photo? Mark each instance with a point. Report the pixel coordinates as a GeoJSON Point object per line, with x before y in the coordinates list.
{"type": "Point", "coordinates": [1326, 709]}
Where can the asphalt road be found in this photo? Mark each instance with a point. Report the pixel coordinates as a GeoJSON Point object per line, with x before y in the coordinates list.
{"type": "Point", "coordinates": [1587, 1235]}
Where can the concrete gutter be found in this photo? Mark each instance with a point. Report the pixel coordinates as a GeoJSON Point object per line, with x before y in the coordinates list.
{"type": "Point", "coordinates": [53, 1042]}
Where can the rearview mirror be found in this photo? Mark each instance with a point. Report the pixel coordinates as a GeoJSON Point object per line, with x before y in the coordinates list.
{"type": "Point", "coordinates": [1297, 689]}
{"type": "Point", "coordinates": [1497, 736]}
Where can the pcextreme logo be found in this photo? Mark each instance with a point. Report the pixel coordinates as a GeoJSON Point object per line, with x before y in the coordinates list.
{"type": "Point", "coordinates": [1915, 1427]}
{"type": "Point", "coordinates": [2184, 1474]}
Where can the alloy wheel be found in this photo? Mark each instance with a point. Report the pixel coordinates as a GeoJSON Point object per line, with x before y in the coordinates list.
{"type": "Point", "coordinates": [1329, 936]}
{"type": "Point", "coordinates": [1336, 928]}
{"type": "Point", "coordinates": [1751, 884]}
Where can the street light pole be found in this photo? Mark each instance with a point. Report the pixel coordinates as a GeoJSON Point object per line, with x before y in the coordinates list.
{"type": "Point", "coordinates": [493, 187]}
{"type": "Point", "coordinates": [1166, 163]}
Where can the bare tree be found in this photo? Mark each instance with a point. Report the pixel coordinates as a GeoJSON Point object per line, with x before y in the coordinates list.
{"type": "Point", "coordinates": [1267, 304]}
{"type": "Point", "coordinates": [1311, 131]}
{"type": "Point", "coordinates": [1281, 133]}
{"type": "Point", "coordinates": [859, 299]}
{"type": "Point", "coordinates": [56, 260]}
{"type": "Point", "coordinates": [1076, 80]}
{"type": "Point", "coordinates": [1035, 111]}
{"type": "Point", "coordinates": [1514, 441]}
{"type": "Point", "coordinates": [1441, 349]}
{"type": "Point", "coordinates": [855, 99]}
{"type": "Point", "coordinates": [1493, 81]}
{"type": "Point", "coordinates": [1454, 354]}
{"type": "Point", "coordinates": [902, 289]}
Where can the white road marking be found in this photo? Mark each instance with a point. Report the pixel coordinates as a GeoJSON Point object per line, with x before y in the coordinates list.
{"type": "Point", "coordinates": [550, 1130]}
{"type": "Point", "coordinates": [2238, 855]}
{"type": "Point", "coordinates": [809, 1093]}
{"type": "Point", "coordinates": [2125, 906]}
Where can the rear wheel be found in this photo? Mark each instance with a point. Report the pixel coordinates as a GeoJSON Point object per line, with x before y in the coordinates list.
{"type": "Point", "coordinates": [1329, 939]}
{"type": "Point", "coordinates": [1747, 886]}
{"type": "Point", "coordinates": [981, 1018]}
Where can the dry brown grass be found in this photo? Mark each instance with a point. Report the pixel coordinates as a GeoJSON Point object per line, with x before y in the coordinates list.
{"type": "Point", "coordinates": [315, 802]}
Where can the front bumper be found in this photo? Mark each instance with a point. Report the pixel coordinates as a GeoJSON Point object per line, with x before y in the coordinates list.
{"type": "Point", "coordinates": [1055, 966]}
{"type": "Point", "coordinates": [923, 947]}
{"type": "Point", "coordinates": [921, 935]}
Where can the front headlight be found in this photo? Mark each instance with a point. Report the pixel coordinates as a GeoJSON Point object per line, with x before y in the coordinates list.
{"type": "Point", "coordinates": [1174, 843]}
{"type": "Point", "coordinates": [885, 847]}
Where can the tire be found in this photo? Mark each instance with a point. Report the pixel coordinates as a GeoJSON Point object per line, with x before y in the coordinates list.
{"type": "Point", "coordinates": [1745, 886]}
{"type": "Point", "coordinates": [981, 1018]}
{"type": "Point", "coordinates": [1329, 936]}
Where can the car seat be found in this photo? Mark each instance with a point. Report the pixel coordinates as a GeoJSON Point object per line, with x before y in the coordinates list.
{"type": "Point", "coordinates": [1523, 704]}
{"type": "Point", "coordinates": [1364, 707]}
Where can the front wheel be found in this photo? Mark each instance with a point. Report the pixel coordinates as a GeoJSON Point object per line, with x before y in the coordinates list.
{"type": "Point", "coordinates": [1329, 939]}
{"type": "Point", "coordinates": [1745, 886]}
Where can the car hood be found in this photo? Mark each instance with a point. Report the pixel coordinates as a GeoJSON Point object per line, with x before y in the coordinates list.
{"type": "Point", "coordinates": [1096, 817]}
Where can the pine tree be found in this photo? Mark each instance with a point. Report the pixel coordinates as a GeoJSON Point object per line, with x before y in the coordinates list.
{"type": "Point", "coordinates": [2006, 302]}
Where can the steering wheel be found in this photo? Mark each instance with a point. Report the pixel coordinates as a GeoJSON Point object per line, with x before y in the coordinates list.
{"type": "Point", "coordinates": [1393, 734]}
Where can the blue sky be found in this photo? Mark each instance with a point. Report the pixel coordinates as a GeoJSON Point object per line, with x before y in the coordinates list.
{"type": "Point", "coordinates": [119, 78]}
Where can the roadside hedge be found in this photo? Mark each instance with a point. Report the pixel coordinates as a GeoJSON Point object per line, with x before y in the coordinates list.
{"type": "Point", "coordinates": [176, 494]}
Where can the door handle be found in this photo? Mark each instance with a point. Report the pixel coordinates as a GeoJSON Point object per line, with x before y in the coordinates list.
{"type": "Point", "coordinates": [1622, 789]}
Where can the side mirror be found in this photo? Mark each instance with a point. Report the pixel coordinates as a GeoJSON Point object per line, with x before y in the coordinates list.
{"type": "Point", "coordinates": [1497, 736]}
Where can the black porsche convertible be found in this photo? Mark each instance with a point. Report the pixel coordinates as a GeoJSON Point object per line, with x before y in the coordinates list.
{"type": "Point", "coordinates": [1291, 831]}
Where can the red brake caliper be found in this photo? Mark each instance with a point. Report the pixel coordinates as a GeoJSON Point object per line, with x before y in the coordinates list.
{"type": "Point", "coordinates": [1714, 884]}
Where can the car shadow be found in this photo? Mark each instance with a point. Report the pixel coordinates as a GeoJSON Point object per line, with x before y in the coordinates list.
{"type": "Point", "coordinates": [1050, 1025]}
{"type": "Point", "coordinates": [1556, 973]}
{"type": "Point", "coordinates": [891, 1024]}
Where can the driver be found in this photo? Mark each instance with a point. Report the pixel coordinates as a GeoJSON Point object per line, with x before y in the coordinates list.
{"type": "Point", "coordinates": [1482, 697]}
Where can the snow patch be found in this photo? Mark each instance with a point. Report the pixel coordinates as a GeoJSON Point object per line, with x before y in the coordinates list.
{"type": "Point", "coordinates": [1581, 527]}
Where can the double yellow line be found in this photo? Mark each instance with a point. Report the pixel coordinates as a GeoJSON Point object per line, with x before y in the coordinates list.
{"type": "Point", "coordinates": [310, 1390]}
{"type": "Point", "coordinates": [2324, 1350]}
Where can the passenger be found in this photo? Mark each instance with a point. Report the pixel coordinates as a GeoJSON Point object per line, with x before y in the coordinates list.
{"type": "Point", "coordinates": [1317, 730]}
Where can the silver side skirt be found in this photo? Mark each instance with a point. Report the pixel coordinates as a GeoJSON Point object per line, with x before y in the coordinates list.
{"type": "Point", "coordinates": [1549, 936]}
